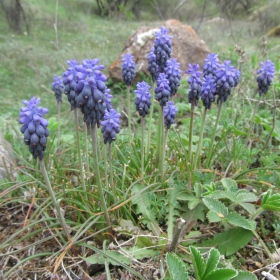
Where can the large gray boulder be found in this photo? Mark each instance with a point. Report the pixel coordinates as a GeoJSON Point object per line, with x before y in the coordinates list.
{"type": "Point", "coordinates": [187, 47]}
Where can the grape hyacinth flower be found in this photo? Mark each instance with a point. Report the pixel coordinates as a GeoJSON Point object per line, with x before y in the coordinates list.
{"type": "Point", "coordinates": [208, 91]}
{"type": "Point", "coordinates": [110, 126]}
{"type": "Point", "coordinates": [34, 127]}
{"type": "Point", "coordinates": [162, 48]}
{"type": "Point", "coordinates": [128, 69]}
{"type": "Point", "coordinates": [173, 74]}
{"type": "Point", "coordinates": [225, 81]}
{"type": "Point", "coordinates": [162, 90]}
{"type": "Point", "coordinates": [211, 64]}
{"type": "Point", "coordinates": [152, 65]}
{"type": "Point", "coordinates": [143, 98]}
{"type": "Point", "coordinates": [70, 81]}
{"type": "Point", "coordinates": [194, 83]}
{"type": "Point", "coordinates": [170, 111]}
{"type": "Point", "coordinates": [265, 76]}
{"type": "Point", "coordinates": [91, 88]}
{"type": "Point", "coordinates": [107, 100]}
{"type": "Point", "coordinates": [236, 77]}
{"type": "Point", "coordinates": [57, 87]}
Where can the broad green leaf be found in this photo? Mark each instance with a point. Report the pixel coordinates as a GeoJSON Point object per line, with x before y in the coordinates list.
{"type": "Point", "coordinates": [184, 196]}
{"type": "Point", "coordinates": [238, 220]}
{"type": "Point", "coordinates": [143, 204]}
{"type": "Point", "coordinates": [229, 184]}
{"type": "Point", "coordinates": [212, 261]}
{"type": "Point", "coordinates": [230, 241]}
{"type": "Point", "coordinates": [230, 195]}
{"type": "Point", "coordinates": [144, 242]}
{"type": "Point", "coordinates": [221, 274]}
{"type": "Point", "coordinates": [248, 207]}
{"type": "Point", "coordinates": [272, 202]}
{"type": "Point", "coordinates": [245, 275]}
{"type": "Point", "coordinates": [198, 190]}
{"type": "Point", "coordinates": [246, 197]}
{"type": "Point", "coordinates": [213, 217]}
{"type": "Point", "coordinates": [176, 267]}
{"type": "Point", "coordinates": [238, 132]}
{"type": "Point", "coordinates": [198, 263]}
{"type": "Point", "coordinates": [216, 206]}
{"type": "Point", "coordinates": [192, 204]}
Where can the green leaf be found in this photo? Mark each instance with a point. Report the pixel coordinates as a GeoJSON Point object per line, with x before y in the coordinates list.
{"type": "Point", "coordinates": [198, 263]}
{"type": "Point", "coordinates": [229, 184]}
{"type": "Point", "coordinates": [184, 196]}
{"type": "Point", "coordinates": [230, 195]}
{"type": "Point", "coordinates": [216, 206]}
{"type": "Point", "coordinates": [213, 217]}
{"type": "Point", "coordinates": [238, 132]}
{"type": "Point", "coordinates": [176, 267]}
{"type": "Point", "coordinates": [114, 257]}
{"type": "Point", "coordinates": [143, 204]}
{"type": "Point", "coordinates": [221, 274]}
{"type": "Point", "coordinates": [248, 207]}
{"type": "Point", "coordinates": [271, 202]}
{"type": "Point", "coordinates": [245, 275]}
{"type": "Point", "coordinates": [246, 197]}
{"type": "Point", "coordinates": [212, 261]}
{"type": "Point", "coordinates": [238, 220]}
{"type": "Point", "coordinates": [230, 241]}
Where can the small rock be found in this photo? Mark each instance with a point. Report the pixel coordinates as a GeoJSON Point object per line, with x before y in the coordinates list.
{"type": "Point", "coordinates": [187, 47]}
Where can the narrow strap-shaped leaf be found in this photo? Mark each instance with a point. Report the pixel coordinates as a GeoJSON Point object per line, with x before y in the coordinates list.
{"type": "Point", "coordinates": [198, 263]}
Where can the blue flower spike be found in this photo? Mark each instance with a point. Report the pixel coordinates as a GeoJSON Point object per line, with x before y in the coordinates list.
{"type": "Point", "coordinates": [34, 127]}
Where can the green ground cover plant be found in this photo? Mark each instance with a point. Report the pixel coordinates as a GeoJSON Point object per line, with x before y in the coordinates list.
{"type": "Point", "coordinates": [187, 189]}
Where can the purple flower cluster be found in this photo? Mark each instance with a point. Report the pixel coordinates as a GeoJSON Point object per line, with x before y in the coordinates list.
{"type": "Point", "coordinates": [194, 83]}
{"type": "Point", "coordinates": [110, 126]}
{"type": "Point", "coordinates": [162, 48]}
{"type": "Point", "coordinates": [173, 74]}
{"type": "Point", "coordinates": [208, 91]}
{"type": "Point", "coordinates": [57, 87]}
{"type": "Point", "coordinates": [34, 127]}
{"type": "Point", "coordinates": [170, 111]}
{"type": "Point", "coordinates": [211, 65]}
{"type": "Point", "coordinates": [70, 81]}
{"type": "Point", "coordinates": [153, 68]}
{"type": "Point", "coordinates": [142, 99]}
{"type": "Point", "coordinates": [265, 76]}
{"type": "Point", "coordinates": [91, 89]}
{"type": "Point", "coordinates": [128, 69]}
{"type": "Point", "coordinates": [225, 80]}
{"type": "Point", "coordinates": [162, 90]}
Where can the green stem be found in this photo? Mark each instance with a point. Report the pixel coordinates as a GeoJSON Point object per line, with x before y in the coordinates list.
{"type": "Point", "coordinates": [142, 146]}
{"type": "Point", "coordinates": [163, 153]}
{"type": "Point", "coordinates": [151, 118]}
{"type": "Point", "coordinates": [58, 129]}
{"type": "Point", "coordinates": [263, 245]}
{"type": "Point", "coordinates": [189, 163]}
{"type": "Point", "coordinates": [162, 146]}
{"type": "Point", "coordinates": [196, 164]}
{"type": "Point", "coordinates": [251, 127]}
{"type": "Point", "coordinates": [98, 180]}
{"type": "Point", "coordinates": [159, 138]}
{"type": "Point", "coordinates": [105, 166]}
{"type": "Point", "coordinates": [111, 173]}
{"type": "Point", "coordinates": [213, 136]}
{"type": "Point", "coordinates": [79, 148]}
{"type": "Point", "coordinates": [86, 148]}
{"type": "Point", "coordinates": [128, 112]}
{"type": "Point", "coordinates": [257, 213]}
{"type": "Point", "coordinates": [52, 195]}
